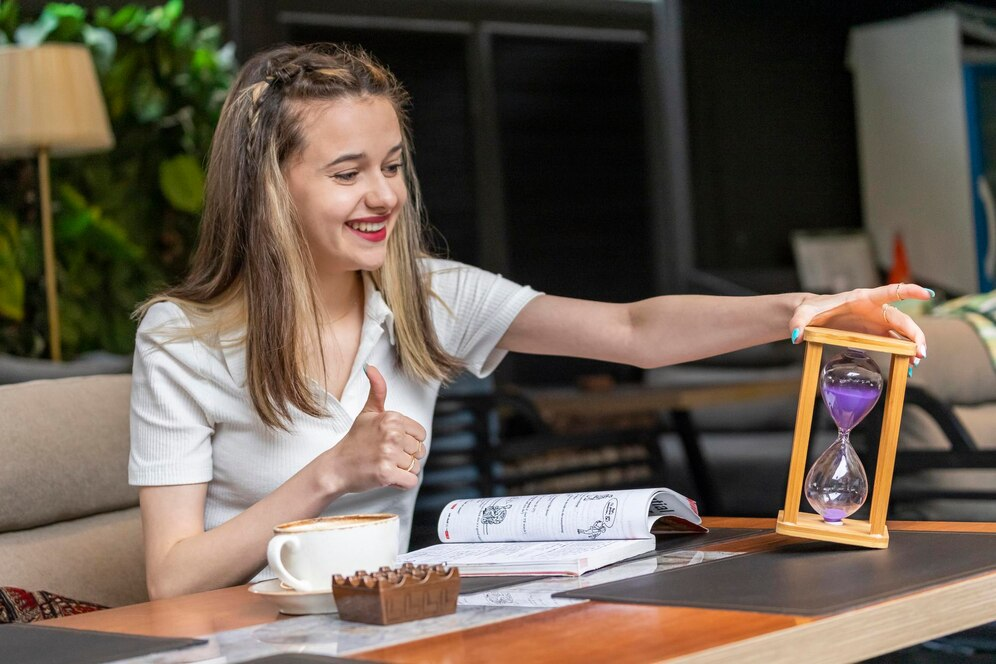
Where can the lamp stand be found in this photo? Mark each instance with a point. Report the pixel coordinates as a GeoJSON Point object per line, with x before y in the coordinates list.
{"type": "Point", "coordinates": [48, 247]}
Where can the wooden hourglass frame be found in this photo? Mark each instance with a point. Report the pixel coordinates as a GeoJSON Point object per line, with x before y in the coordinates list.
{"type": "Point", "coordinates": [872, 533]}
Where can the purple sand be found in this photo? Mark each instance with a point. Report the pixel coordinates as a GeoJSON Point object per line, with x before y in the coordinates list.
{"type": "Point", "coordinates": [834, 515]}
{"type": "Point", "coordinates": [849, 404]}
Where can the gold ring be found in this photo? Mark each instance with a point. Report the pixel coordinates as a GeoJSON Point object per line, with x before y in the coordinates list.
{"type": "Point", "coordinates": [885, 317]}
{"type": "Point", "coordinates": [898, 296]}
{"type": "Point", "coordinates": [411, 465]}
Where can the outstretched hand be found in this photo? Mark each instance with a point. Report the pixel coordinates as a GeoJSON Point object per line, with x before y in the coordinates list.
{"type": "Point", "coordinates": [866, 310]}
{"type": "Point", "coordinates": [383, 448]}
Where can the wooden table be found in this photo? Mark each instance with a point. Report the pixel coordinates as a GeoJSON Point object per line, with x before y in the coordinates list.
{"type": "Point", "coordinates": [569, 408]}
{"type": "Point", "coordinates": [623, 633]}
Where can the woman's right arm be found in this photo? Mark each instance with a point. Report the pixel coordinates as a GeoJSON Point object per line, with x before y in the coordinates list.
{"type": "Point", "coordinates": [181, 557]}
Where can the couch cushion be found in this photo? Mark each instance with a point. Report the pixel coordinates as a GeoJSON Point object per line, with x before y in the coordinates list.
{"type": "Point", "coordinates": [65, 450]}
{"type": "Point", "coordinates": [95, 559]}
{"type": "Point", "coordinates": [957, 368]}
{"type": "Point", "coordinates": [919, 431]}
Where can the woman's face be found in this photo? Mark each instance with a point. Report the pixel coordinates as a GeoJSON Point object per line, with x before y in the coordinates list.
{"type": "Point", "coordinates": [347, 182]}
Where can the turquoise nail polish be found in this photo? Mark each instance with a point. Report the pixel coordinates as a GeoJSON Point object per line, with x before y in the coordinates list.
{"type": "Point", "coordinates": [916, 361]}
{"type": "Point", "coordinates": [910, 372]}
{"type": "Point", "coordinates": [795, 335]}
{"type": "Point", "coordinates": [365, 367]}
{"type": "Point", "coordinates": [931, 291]}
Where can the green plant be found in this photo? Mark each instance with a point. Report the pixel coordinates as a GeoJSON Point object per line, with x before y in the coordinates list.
{"type": "Point", "coordinates": [125, 220]}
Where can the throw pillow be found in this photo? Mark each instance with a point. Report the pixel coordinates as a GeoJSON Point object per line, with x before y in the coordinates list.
{"type": "Point", "coordinates": [23, 606]}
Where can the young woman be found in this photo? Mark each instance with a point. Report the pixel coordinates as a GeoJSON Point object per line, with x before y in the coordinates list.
{"type": "Point", "coordinates": [293, 373]}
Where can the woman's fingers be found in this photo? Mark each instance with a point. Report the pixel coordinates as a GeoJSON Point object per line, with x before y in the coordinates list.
{"type": "Point", "coordinates": [901, 323]}
{"type": "Point", "coordinates": [864, 310]}
{"type": "Point", "coordinates": [899, 292]}
{"type": "Point", "coordinates": [413, 428]}
{"type": "Point", "coordinates": [408, 463]}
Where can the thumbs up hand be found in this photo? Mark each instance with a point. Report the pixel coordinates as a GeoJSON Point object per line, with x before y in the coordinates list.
{"type": "Point", "coordinates": [383, 448]}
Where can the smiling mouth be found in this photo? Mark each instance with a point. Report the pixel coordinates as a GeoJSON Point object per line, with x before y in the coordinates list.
{"type": "Point", "coordinates": [367, 226]}
{"type": "Point", "coordinates": [371, 229]}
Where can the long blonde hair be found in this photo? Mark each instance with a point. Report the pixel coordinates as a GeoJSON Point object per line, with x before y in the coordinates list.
{"type": "Point", "coordinates": [252, 269]}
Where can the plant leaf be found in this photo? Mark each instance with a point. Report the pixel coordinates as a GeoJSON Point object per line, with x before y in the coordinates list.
{"type": "Point", "coordinates": [172, 9]}
{"type": "Point", "coordinates": [70, 19]}
{"type": "Point", "coordinates": [33, 34]}
{"type": "Point", "coordinates": [70, 197]}
{"type": "Point", "coordinates": [71, 223]}
{"type": "Point", "coordinates": [114, 240]}
{"type": "Point", "coordinates": [11, 283]}
{"type": "Point", "coordinates": [181, 180]}
{"type": "Point", "coordinates": [103, 44]}
{"type": "Point", "coordinates": [8, 227]}
{"type": "Point", "coordinates": [9, 17]}
{"type": "Point", "coordinates": [148, 100]}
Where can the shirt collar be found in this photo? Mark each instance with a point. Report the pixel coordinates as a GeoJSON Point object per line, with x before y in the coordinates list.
{"type": "Point", "coordinates": [376, 308]}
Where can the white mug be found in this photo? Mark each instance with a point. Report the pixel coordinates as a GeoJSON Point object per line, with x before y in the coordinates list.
{"type": "Point", "coordinates": [305, 554]}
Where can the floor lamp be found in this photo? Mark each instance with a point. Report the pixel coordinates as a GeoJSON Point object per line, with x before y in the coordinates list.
{"type": "Point", "coordinates": [50, 106]}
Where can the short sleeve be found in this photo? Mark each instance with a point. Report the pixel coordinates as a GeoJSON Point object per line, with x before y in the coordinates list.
{"type": "Point", "coordinates": [170, 430]}
{"type": "Point", "coordinates": [472, 310]}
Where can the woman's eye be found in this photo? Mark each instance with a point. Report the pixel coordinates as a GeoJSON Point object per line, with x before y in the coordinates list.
{"type": "Point", "coordinates": [393, 169]}
{"type": "Point", "coordinates": [348, 176]}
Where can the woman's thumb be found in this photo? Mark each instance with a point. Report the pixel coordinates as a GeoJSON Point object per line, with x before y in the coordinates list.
{"type": "Point", "coordinates": [378, 390]}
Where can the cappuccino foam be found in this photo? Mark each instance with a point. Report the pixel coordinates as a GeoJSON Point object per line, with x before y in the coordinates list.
{"type": "Point", "coordinates": [332, 522]}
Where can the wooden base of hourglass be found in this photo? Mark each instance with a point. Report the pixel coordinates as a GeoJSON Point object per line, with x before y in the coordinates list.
{"type": "Point", "coordinates": [871, 533]}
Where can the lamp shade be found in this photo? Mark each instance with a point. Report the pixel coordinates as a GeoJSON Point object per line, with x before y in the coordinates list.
{"type": "Point", "coordinates": [50, 99]}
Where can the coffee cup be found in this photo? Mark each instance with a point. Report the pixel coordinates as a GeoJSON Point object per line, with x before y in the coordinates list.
{"type": "Point", "coordinates": [305, 554]}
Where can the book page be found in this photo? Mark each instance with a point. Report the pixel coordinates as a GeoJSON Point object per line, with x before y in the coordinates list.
{"type": "Point", "coordinates": [563, 516]}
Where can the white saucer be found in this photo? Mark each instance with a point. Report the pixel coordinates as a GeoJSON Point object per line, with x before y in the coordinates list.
{"type": "Point", "coordinates": [293, 602]}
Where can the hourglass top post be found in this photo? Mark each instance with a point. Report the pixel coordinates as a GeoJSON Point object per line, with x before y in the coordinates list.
{"type": "Point", "coordinates": [822, 335]}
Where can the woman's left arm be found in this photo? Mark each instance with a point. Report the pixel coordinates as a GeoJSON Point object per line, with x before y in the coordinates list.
{"type": "Point", "coordinates": [680, 328]}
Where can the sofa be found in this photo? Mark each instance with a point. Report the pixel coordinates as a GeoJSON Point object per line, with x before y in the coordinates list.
{"type": "Point", "coordinates": [69, 521]}
{"type": "Point", "coordinates": [954, 387]}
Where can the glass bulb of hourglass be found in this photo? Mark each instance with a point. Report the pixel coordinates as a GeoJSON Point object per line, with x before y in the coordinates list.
{"type": "Point", "coordinates": [837, 486]}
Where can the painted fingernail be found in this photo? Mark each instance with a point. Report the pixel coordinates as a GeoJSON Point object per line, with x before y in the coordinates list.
{"type": "Point", "coordinates": [923, 351]}
{"type": "Point", "coordinates": [931, 291]}
{"type": "Point", "coordinates": [795, 335]}
{"type": "Point", "coordinates": [365, 367]}
{"type": "Point", "coordinates": [910, 372]}
{"type": "Point", "coordinates": [916, 361]}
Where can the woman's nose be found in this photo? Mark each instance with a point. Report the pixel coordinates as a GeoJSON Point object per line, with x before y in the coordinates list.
{"type": "Point", "coordinates": [381, 194]}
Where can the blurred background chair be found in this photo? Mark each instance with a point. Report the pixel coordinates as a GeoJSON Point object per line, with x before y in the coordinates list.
{"type": "Point", "coordinates": [488, 441]}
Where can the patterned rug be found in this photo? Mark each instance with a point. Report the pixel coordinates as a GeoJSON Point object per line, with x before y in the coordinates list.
{"type": "Point", "coordinates": [23, 606]}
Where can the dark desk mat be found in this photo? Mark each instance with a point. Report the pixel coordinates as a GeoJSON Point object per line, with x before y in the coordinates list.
{"type": "Point", "coordinates": [32, 643]}
{"type": "Point", "coordinates": [809, 577]}
{"type": "Point", "coordinates": [478, 584]}
{"type": "Point", "coordinates": [698, 540]}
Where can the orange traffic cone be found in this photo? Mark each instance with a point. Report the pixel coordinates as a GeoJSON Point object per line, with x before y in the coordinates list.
{"type": "Point", "coordinates": [900, 271]}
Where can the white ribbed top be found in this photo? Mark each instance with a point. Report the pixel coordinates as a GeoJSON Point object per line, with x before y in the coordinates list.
{"type": "Point", "coordinates": [192, 419]}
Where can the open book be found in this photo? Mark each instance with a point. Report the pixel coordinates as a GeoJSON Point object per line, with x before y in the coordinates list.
{"type": "Point", "coordinates": [565, 534]}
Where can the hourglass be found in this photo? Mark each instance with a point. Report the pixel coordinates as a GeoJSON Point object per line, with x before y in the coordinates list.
{"type": "Point", "coordinates": [836, 485]}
